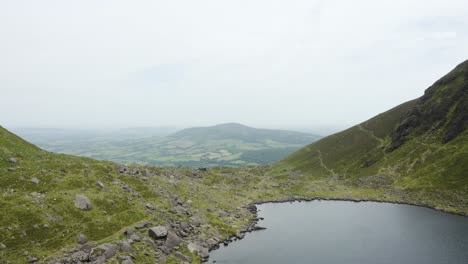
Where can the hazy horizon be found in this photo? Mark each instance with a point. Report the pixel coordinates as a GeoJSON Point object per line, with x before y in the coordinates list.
{"type": "Point", "coordinates": [269, 64]}
{"type": "Point", "coordinates": [166, 130]}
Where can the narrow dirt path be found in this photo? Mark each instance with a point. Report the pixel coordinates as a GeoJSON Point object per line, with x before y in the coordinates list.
{"type": "Point", "coordinates": [323, 164]}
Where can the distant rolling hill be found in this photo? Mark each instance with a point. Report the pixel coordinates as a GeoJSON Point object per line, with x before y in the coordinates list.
{"type": "Point", "coordinates": [221, 145]}
{"type": "Point", "coordinates": [418, 148]}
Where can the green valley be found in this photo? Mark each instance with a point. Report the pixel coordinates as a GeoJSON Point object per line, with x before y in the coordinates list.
{"type": "Point", "coordinates": [221, 145]}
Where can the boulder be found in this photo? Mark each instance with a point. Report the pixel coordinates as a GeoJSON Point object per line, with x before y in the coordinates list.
{"type": "Point", "coordinates": [82, 202]}
{"type": "Point", "coordinates": [110, 250]}
{"type": "Point", "coordinates": [126, 247]}
{"type": "Point", "coordinates": [196, 248]}
{"type": "Point", "coordinates": [196, 221]}
{"type": "Point", "coordinates": [12, 160]}
{"type": "Point", "coordinates": [82, 239]}
{"type": "Point", "coordinates": [158, 232]}
{"type": "Point", "coordinates": [129, 231]}
{"type": "Point", "coordinates": [172, 240]}
{"type": "Point", "coordinates": [182, 257]}
{"type": "Point", "coordinates": [146, 173]}
{"type": "Point", "coordinates": [88, 247]}
{"type": "Point", "coordinates": [222, 214]}
{"type": "Point", "coordinates": [35, 180]}
{"type": "Point", "coordinates": [135, 237]}
{"type": "Point", "coordinates": [107, 251]}
{"type": "Point", "coordinates": [80, 256]}
{"type": "Point", "coordinates": [143, 225]}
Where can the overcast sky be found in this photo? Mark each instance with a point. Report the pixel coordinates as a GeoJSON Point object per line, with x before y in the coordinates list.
{"type": "Point", "coordinates": [264, 63]}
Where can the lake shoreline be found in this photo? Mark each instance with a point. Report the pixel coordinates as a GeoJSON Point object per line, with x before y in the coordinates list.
{"type": "Point", "coordinates": [252, 208]}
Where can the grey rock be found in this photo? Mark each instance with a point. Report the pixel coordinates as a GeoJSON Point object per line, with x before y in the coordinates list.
{"type": "Point", "coordinates": [135, 237]}
{"type": "Point", "coordinates": [146, 173]}
{"type": "Point", "coordinates": [129, 231]}
{"type": "Point", "coordinates": [222, 214]}
{"type": "Point", "coordinates": [80, 256]}
{"type": "Point", "coordinates": [202, 251]}
{"type": "Point", "coordinates": [88, 247]}
{"type": "Point", "coordinates": [122, 169]}
{"type": "Point", "coordinates": [82, 239]}
{"type": "Point", "coordinates": [192, 247]}
{"type": "Point", "coordinates": [143, 225]}
{"type": "Point", "coordinates": [108, 250]}
{"type": "Point", "coordinates": [35, 180]}
{"type": "Point", "coordinates": [2, 246]}
{"type": "Point", "coordinates": [196, 221]}
{"type": "Point", "coordinates": [100, 260]}
{"type": "Point", "coordinates": [182, 257]}
{"type": "Point", "coordinates": [12, 160]}
{"type": "Point", "coordinates": [127, 261]}
{"type": "Point", "coordinates": [158, 232]}
{"type": "Point", "coordinates": [164, 249]}
{"type": "Point", "coordinates": [100, 185]}
{"type": "Point", "coordinates": [185, 227]}
{"type": "Point", "coordinates": [150, 242]}
{"type": "Point", "coordinates": [32, 259]}
{"type": "Point", "coordinates": [11, 169]}
{"type": "Point", "coordinates": [172, 240]}
{"type": "Point", "coordinates": [82, 202]}
{"type": "Point", "coordinates": [162, 259]}
{"type": "Point", "coordinates": [126, 247]}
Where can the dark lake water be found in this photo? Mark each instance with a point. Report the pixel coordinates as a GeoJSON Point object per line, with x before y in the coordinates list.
{"type": "Point", "coordinates": [329, 232]}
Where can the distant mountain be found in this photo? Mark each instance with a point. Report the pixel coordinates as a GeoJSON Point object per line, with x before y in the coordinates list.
{"type": "Point", "coordinates": [221, 145]}
{"type": "Point", "coordinates": [241, 132]}
{"type": "Point", "coordinates": [418, 148]}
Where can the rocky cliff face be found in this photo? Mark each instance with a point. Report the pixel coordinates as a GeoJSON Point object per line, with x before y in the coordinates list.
{"type": "Point", "coordinates": [441, 112]}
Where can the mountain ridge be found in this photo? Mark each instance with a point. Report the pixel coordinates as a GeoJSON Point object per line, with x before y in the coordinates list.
{"type": "Point", "coordinates": [404, 148]}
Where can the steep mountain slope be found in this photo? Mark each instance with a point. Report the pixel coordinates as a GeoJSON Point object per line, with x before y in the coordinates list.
{"type": "Point", "coordinates": [418, 148]}
{"type": "Point", "coordinates": [221, 145]}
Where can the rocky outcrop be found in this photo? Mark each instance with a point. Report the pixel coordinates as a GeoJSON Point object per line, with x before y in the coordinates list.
{"type": "Point", "coordinates": [158, 232]}
{"type": "Point", "coordinates": [82, 202]}
{"type": "Point", "coordinates": [172, 240]}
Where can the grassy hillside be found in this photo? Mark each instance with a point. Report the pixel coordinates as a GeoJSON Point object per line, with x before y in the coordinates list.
{"type": "Point", "coordinates": [39, 219]}
{"type": "Point", "coordinates": [419, 148]}
{"type": "Point", "coordinates": [220, 145]}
